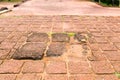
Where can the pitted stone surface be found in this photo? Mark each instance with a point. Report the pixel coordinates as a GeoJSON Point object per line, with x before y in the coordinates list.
{"type": "Point", "coordinates": [30, 51]}
{"type": "Point", "coordinates": [60, 37]}
{"type": "Point", "coordinates": [56, 49]}
{"type": "Point", "coordinates": [81, 38]}
{"type": "Point", "coordinates": [38, 37]}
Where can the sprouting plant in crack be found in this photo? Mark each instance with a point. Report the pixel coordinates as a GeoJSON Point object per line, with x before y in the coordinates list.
{"type": "Point", "coordinates": [71, 34]}
{"type": "Point", "coordinates": [50, 33]}
{"type": "Point", "coordinates": [117, 74]}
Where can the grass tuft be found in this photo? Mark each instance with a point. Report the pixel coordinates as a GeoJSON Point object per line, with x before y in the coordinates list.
{"type": "Point", "coordinates": [117, 74]}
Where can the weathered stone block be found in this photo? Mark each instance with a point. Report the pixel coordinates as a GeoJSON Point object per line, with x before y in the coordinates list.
{"type": "Point", "coordinates": [60, 37]}
{"type": "Point", "coordinates": [30, 51]}
{"type": "Point", "coordinates": [56, 49]}
{"type": "Point", "coordinates": [38, 37]}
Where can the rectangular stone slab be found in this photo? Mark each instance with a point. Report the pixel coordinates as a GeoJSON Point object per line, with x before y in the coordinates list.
{"type": "Point", "coordinates": [30, 51]}
{"type": "Point", "coordinates": [56, 49]}
{"type": "Point", "coordinates": [60, 37]}
{"type": "Point", "coordinates": [38, 37]}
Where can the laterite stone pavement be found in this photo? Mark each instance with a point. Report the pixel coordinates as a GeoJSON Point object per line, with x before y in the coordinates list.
{"type": "Point", "coordinates": [98, 58]}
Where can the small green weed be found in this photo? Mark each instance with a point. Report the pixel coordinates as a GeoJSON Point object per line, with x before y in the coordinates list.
{"type": "Point", "coordinates": [71, 34]}
{"type": "Point", "coordinates": [117, 74]}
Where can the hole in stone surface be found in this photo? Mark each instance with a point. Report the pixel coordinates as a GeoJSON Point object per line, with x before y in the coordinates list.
{"type": "Point", "coordinates": [59, 45]}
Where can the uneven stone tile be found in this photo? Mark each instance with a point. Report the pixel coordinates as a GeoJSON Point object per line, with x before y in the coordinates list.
{"type": "Point", "coordinates": [33, 67]}
{"type": "Point", "coordinates": [97, 34]}
{"type": "Point", "coordinates": [82, 77]}
{"type": "Point", "coordinates": [38, 37]}
{"type": "Point", "coordinates": [1, 39]}
{"type": "Point", "coordinates": [4, 34]}
{"type": "Point", "coordinates": [77, 59]}
{"type": "Point", "coordinates": [4, 53]}
{"type": "Point", "coordinates": [29, 77]}
{"type": "Point", "coordinates": [7, 45]}
{"type": "Point", "coordinates": [0, 62]}
{"type": "Point", "coordinates": [114, 39]}
{"type": "Point", "coordinates": [60, 37]}
{"type": "Point", "coordinates": [108, 47]}
{"type": "Point", "coordinates": [91, 40]}
{"type": "Point", "coordinates": [75, 52]}
{"type": "Point", "coordinates": [56, 49]}
{"type": "Point", "coordinates": [81, 38]}
{"type": "Point", "coordinates": [56, 67]}
{"type": "Point", "coordinates": [79, 67]}
{"type": "Point", "coordinates": [30, 51]}
{"type": "Point", "coordinates": [117, 45]}
{"type": "Point", "coordinates": [112, 55]}
{"type": "Point", "coordinates": [116, 65]}
{"type": "Point", "coordinates": [7, 77]}
{"type": "Point", "coordinates": [99, 56]}
{"type": "Point", "coordinates": [95, 30]}
{"type": "Point", "coordinates": [10, 66]}
{"type": "Point", "coordinates": [55, 77]}
{"type": "Point", "coordinates": [101, 40]}
{"type": "Point", "coordinates": [102, 67]}
{"type": "Point", "coordinates": [106, 77]}
{"type": "Point", "coordinates": [94, 47]}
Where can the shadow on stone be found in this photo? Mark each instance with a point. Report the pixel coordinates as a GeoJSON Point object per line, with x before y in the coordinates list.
{"type": "Point", "coordinates": [3, 8]}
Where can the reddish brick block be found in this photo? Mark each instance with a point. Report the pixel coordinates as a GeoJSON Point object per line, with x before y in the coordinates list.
{"type": "Point", "coordinates": [97, 34]}
{"type": "Point", "coordinates": [7, 45]}
{"type": "Point", "coordinates": [109, 34]}
{"type": "Point", "coordinates": [106, 77]}
{"type": "Point", "coordinates": [99, 56]}
{"type": "Point", "coordinates": [102, 67]}
{"type": "Point", "coordinates": [55, 77]}
{"type": "Point", "coordinates": [33, 67]}
{"type": "Point", "coordinates": [116, 65]}
{"type": "Point", "coordinates": [95, 30]}
{"type": "Point", "coordinates": [114, 39]}
{"type": "Point", "coordinates": [82, 77]}
{"type": "Point", "coordinates": [101, 40]}
{"type": "Point", "coordinates": [7, 77]}
{"type": "Point", "coordinates": [112, 55]}
{"type": "Point", "coordinates": [29, 77]}
{"type": "Point", "coordinates": [117, 45]}
{"type": "Point", "coordinates": [56, 67]}
{"type": "Point", "coordinates": [4, 53]}
{"type": "Point", "coordinates": [94, 47]}
{"type": "Point", "coordinates": [107, 47]}
{"type": "Point", "coordinates": [0, 61]}
{"type": "Point", "coordinates": [4, 34]}
{"type": "Point", "coordinates": [106, 30]}
{"type": "Point", "coordinates": [11, 66]}
{"type": "Point", "coordinates": [79, 67]}
{"type": "Point", "coordinates": [91, 40]}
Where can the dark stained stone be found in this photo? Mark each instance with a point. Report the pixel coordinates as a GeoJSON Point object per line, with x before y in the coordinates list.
{"type": "Point", "coordinates": [16, 5]}
{"type": "Point", "coordinates": [3, 8]}
{"type": "Point", "coordinates": [80, 37]}
{"type": "Point", "coordinates": [38, 37]}
{"type": "Point", "coordinates": [60, 37]}
{"type": "Point", "coordinates": [30, 51]}
{"type": "Point", "coordinates": [56, 49]}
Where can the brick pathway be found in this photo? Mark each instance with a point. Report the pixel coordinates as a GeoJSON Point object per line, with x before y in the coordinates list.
{"type": "Point", "coordinates": [96, 59]}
